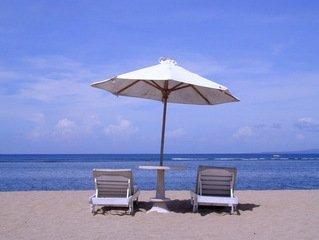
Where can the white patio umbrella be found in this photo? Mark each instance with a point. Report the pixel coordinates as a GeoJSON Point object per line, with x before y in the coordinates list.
{"type": "Point", "coordinates": [167, 82]}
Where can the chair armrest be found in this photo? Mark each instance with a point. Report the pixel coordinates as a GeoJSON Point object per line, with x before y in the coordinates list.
{"type": "Point", "coordinates": [193, 195]}
{"type": "Point", "coordinates": [236, 199]}
{"type": "Point", "coordinates": [134, 196]}
{"type": "Point", "coordinates": [90, 199]}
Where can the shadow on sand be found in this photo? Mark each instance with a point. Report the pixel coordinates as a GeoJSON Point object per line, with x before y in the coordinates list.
{"type": "Point", "coordinates": [219, 210]}
{"type": "Point", "coordinates": [178, 206]}
{"type": "Point", "coordinates": [185, 206]}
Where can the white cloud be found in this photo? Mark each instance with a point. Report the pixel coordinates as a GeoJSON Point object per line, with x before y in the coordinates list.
{"type": "Point", "coordinates": [65, 129]}
{"type": "Point", "coordinates": [248, 131]}
{"type": "Point", "coordinates": [58, 80]}
{"type": "Point", "coordinates": [276, 125]}
{"type": "Point", "coordinates": [91, 123]}
{"type": "Point", "coordinates": [53, 78]}
{"type": "Point", "coordinates": [307, 124]}
{"type": "Point", "coordinates": [300, 136]}
{"type": "Point", "coordinates": [234, 68]}
{"type": "Point", "coordinates": [249, 66]}
{"type": "Point", "coordinates": [39, 128]}
{"type": "Point", "coordinates": [261, 126]}
{"type": "Point", "coordinates": [36, 134]}
{"type": "Point", "coordinates": [203, 66]}
{"type": "Point", "coordinates": [7, 75]}
{"type": "Point", "coordinates": [123, 128]}
{"type": "Point", "coordinates": [47, 90]}
{"type": "Point", "coordinates": [37, 118]}
{"type": "Point", "coordinates": [176, 133]}
{"type": "Point", "coordinates": [243, 132]}
{"type": "Point", "coordinates": [53, 62]}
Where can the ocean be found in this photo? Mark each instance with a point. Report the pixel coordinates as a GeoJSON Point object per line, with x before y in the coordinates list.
{"type": "Point", "coordinates": [74, 172]}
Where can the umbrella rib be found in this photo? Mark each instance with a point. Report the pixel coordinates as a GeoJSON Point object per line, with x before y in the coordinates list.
{"type": "Point", "coordinates": [128, 86]}
{"type": "Point", "coordinates": [155, 85]}
{"type": "Point", "coordinates": [182, 87]}
{"type": "Point", "coordinates": [176, 86]}
{"type": "Point", "coordinates": [200, 94]}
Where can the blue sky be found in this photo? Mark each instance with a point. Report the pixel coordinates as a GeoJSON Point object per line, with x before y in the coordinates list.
{"type": "Point", "coordinates": [266, 53]}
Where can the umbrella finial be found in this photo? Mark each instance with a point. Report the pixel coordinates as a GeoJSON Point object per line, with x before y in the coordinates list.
{"type": "Point", "coordinates": [167, 60]}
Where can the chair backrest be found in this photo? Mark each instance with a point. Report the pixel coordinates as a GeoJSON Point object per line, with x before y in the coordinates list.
{"type": "Point", "coordinates": [113, 182]}
{"type": "Point", "coordinates": [215, 181]}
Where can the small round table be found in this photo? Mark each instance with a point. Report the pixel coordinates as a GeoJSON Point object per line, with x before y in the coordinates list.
{"type": "Point", "coordinates": [159, 201]}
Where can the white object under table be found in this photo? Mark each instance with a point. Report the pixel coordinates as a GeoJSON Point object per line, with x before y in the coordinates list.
{"type": "Point", "coordinates": [159, 201]}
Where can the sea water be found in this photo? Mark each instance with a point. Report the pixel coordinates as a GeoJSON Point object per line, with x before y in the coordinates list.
{"type": "Point", "coordinates": [74, 172]}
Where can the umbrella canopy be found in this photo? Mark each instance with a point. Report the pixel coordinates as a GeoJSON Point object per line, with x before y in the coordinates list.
{"type": "Point", "coordinates": [167, 79]}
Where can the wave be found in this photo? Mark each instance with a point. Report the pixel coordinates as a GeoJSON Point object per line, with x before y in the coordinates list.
{"type": "Point", "coordinates": [188, 159]}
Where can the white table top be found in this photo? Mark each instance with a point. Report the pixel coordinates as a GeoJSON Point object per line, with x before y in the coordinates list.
{"type": "Point", "coordinates": [154, 167]}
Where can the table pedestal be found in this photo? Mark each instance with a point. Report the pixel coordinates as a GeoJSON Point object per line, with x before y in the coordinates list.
{"type": "Point", "coordinates": [159, 205]}
{"type": "Point", "coordinates": [159, 202]}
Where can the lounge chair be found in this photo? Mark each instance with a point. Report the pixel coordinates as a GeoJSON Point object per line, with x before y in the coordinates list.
{"type": "Point", "coordinates": [215, 186]}
{"type": "Point", "coordinates": [114, 187]}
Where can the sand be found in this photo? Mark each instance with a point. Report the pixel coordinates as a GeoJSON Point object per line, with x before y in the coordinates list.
{"type": "Point", "coordinates": [66, 215]}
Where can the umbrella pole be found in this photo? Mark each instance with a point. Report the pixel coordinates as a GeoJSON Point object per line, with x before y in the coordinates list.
{"type": "Point", "coordinates": [163, 132]}
{"type": "Point", "coordinates": [160, 189]}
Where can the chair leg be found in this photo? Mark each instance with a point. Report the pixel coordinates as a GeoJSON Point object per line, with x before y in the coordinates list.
{"type": "Point", "coordinates": [232, 209]}
{"type": "Point", "coordinates": [92, 208]}
{"type": "Point", "coordinates": [195, 207]}
{"type": "Point", "coordinates": [131, 208]}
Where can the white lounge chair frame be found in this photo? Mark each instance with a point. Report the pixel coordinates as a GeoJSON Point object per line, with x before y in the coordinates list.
{"type": "Point", "coordinates": [114, 187]}
{"type": "Point", "coordinates": [215, 186]}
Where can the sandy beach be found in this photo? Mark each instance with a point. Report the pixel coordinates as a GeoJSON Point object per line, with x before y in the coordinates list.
{"type": "Point", "coordinates": [66, 215]}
